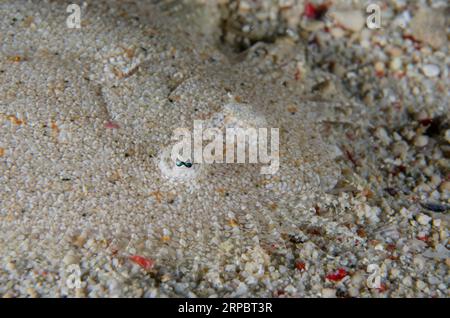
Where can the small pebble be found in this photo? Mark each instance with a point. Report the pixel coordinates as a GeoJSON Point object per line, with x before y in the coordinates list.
{"type": "Point", "coordinates": [421, 285]}
{"type": "Point", "coordinates": [395, 64]}
{"type": "Point", "coordinates": [383, 136]}
{"type": "Point", "coordinates": [329, 293]}
{"type": "Point", "coordinates": [431, 70]}
{"type": "Point", "coordinates": [70, 258]}
{"type": "Point", "coordinates": [32, 292]}
{"type": "Point", "coordinates": [10, 266]}
{"type": "Point", "coordinates": [437, 223]}
{"type": "Point", "coordinates": [447, 135]}
{"type": "Point", "coordinates": [352, 20]}
{"type": "Point", "coordinates": [423, 219]}
{"type": "Point", "coordinates": [379, 67]}
{"type": "Point", "coordinates": [395, 272]}
{"type": "Point", "coordinates": [379, 247]}
{"type": "Point", "coordinates": [421, 141]}
{"type": "Point", "coordinates": [241, 290]}
{"type": "Point", "coordinates": [407, 281]}
{"type": "Point", "coordinates": [80, 293]}
{"type": "Point", "coordinates": [445, 186]}
{"type": "Point", "coordinates": [353, 292]}
{"type": "Point", "coordinates": [436, 180]}
{"type": "Point", "coordinates": [420, 262]}
{"type": "Point", "coordinates": [433, 280]}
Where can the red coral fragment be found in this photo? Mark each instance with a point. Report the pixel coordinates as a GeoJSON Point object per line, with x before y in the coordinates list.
{"type": "Point", "coordinates": [379, 74]}
{"type": "Point", "coordinates": [416, 42]}
{"type": "Point", "coordinates": [423, 238]}
{"type": "Point", "coordinates": [310, 10]}
{"type": "Point", "coordinates": [382, 288]}
{"type": "Point", "coordinates": [111, 125]}
{"type": "Point", "coordinates": [391, 247]}
{"type": "Point", "coordinates": [300, 266]}
{"type": "Point", "coordinates": [297, 74]}
{"type": "Point", "coordinates": [145, 263]}
{"type": "Point", "coordinates": [337, 275]}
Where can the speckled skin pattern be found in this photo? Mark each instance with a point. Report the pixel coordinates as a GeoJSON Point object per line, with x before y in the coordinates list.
{"type": "Point", "coordinates": [84, 115]}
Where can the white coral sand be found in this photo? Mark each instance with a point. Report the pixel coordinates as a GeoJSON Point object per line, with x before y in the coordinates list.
{"type": "Point", "coordinates": [86, 113]}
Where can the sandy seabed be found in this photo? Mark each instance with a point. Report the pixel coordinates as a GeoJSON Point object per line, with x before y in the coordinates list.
{"type": "Point", "coordinates": [91, 205]}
